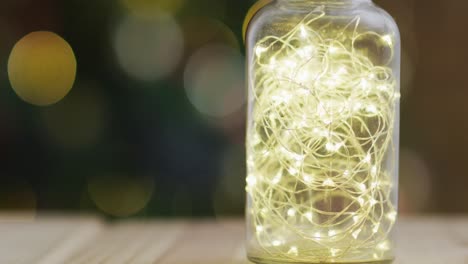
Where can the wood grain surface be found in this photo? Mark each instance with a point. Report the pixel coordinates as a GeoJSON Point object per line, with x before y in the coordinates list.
{"type": "Point", "coordinates": [78, 240]}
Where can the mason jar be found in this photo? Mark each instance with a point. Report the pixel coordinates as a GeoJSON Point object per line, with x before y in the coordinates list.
{"type": "Point", "coordinates": [322, 133]}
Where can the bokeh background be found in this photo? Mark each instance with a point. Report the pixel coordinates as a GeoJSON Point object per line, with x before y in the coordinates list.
{"type": "Point", "coordinates": [154, 125]}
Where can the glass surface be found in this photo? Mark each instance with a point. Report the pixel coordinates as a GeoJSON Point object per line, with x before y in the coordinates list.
{"type": "Point", "coordinates": [323, 132]}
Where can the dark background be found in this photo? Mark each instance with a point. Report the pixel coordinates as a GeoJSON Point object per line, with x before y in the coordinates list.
{"type": "Point", "coordinates": [122, 144]}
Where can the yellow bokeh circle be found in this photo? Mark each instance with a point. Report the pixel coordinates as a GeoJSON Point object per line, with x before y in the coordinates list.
{"type": "Point", "coordinates": [42, 68]}
{"type": "Point", "coordinates": [121, 196]}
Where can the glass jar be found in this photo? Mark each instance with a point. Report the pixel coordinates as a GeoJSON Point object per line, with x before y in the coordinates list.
{"type": "Point", "coordinates": [323, 132]}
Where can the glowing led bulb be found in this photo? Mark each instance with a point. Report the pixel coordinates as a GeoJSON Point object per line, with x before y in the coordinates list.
{"type": "Point", "coordinates": [317, 235]}
{"type": "Point", "coordinates": [331, 82]}
{"type": "Point", "coordinates": [333, 147]}
{"type": "Point", "coordinates": [376, 227]}
{"type": "Point", "coordinates": [303, 31]}
{"type": "Point", "coordinates": [303, 91]}
{"type": "Point", "coordinates": [333, 49]}
{"type": "Point", "coordinates": [372, 109]}
{"type": "Point", "coordinates": [341, 71]}
{"type": "Point", "coordinates": [251, 180]}
{"type": "Point", "coordinates": [331, 233]}
{"type": "Point", "coordinates": [388, 39]}
{"type": "Point", "coordinates": [392, 216]}
{"type": "Point", "coordinates": [383, 88]}
{"type": "Point", "coordinates": [293, 251]}
{"type": "Point", "coordinates": [293, 171]}
{"type": "Point", "coordinates": [361, 201]}
{"type": "Point", "coordinates": [307, 179]}
{"type": "Point", "coordinates": [383, 246]}
{"type": "Point", "coordinates": [329, 183]}
{"type": "Point", "coordinates": [276, 243]}
{"type": "Point", "coordinates": [291, 212]}
{"type": "Point", "coordinates": [281, 97]}
{"type": "Point", "coordinates": [375, 184]}
{"type": "Point", "coordinates": [346, 173]}
{"type": "Point", "coordinates": [356, 219]}
{"type": "Point", "coordinates": [356, 233]}
{"type": "Point", "coordinates": [357, 106]}
{"type": "Point", "coordinates": [364, 84]}
{"type": "Point", "coordinates": [259, 50]}
{"type": "Point", "coordinates": [259, 229]}
{"type": "Point", "coordinates": [250, 162]}
{"type": "Point", "coordinates": [290, 63]}
{"type": "Point", "coordinates": [308, 215]}
{"type": "Point", "coordinates": [397, 95]}
{"type": "Point", "coordinates": [367, 158]}
{"type": "Point", "coordinates": [362, 187]}
{"type": "Point", "coordinates": [306, 52]}
{"type": "Point", "coordinates": [273, 63]}
{"type": "Point", "coordinates": [298, 157]}
{"type": "Point", "coordinates": [277, 179]}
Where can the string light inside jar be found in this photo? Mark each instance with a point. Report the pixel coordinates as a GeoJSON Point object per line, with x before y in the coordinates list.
{"type": "Point", "coordinates": [320, 144]}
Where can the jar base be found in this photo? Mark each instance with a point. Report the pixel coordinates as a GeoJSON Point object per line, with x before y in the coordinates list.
{"type": "Point", "coordinates": [267, 261]}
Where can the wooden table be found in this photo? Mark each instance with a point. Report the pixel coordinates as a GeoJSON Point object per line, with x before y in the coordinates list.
{"type": "Point", "coordinates": [57, 240]}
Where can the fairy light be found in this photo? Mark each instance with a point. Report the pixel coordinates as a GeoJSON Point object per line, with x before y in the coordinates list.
{"type": "Point", "coordinates": [309, 216]}
{"type": "Point", "coordinates": [293, 251]}
{"type": "Point", "coordinates": [334, 252]}
{"type": "Point", "coordinates": [307, 179]}
{"type": "Point", "coordinates": [383, 246]}
{"type": "Point", "coordinates": [362, 187]}
{"type": "Point", "coordinates": [291, 212]}
{"type": "Point", "coordinates": [361, 201]}
{"type": "Point", "coordinates": [276, 243]}
{"type": "Point", "coordinates": [259, 229]}
{"type": "Point", "coordinates": [324, 113]}
{"type": "Point", "coordinates": [317, 235]}
{"type": "Point", "coordinates": [388, 39]}
{"type": "Point", "coordinates": [251, 180]}
{"type": "Point", "coordinates": [329, 183]}
{"type": "Point", "coordinates": [376, 228]}
{"type": "Point", "coordinates": [356, 219]}
{"type": "Point", "coordinates": [355, 234]}
{"type": "Point", "coordinates": [392, 216]}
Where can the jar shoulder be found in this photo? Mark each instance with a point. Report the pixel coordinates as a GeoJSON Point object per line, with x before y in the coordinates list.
{"type": "Point", "coordinates": [276, 20]}
{"type": "Point", "coordinates": [379, 19]}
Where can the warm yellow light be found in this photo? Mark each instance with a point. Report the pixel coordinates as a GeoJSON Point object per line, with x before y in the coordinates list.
{"type": "Point", "coordinates": [388, 39]}
{"type": "Point", "coordinates": [291, 212]}
{"type": "Point", "coordinates": [293, 251]}
{"type": "Point", "coordinates": [276, 243]}
{"type": "Point", "coordinates": [325, 115]}
{"type": "Point", "coordinates": [309, 216]}
{"type": "Point", "coordinates": [356, 233]}
{"type": "Point", "coordinates": [251, 180]}
{"type": "Point", "coordinates": [392, 216]}
{"type": "Point", "coordinates": [42, 68]}
{"type": "Point", "coordinates": [259, 229]}
{"type": "Point", "coordinates": [383, 246]}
